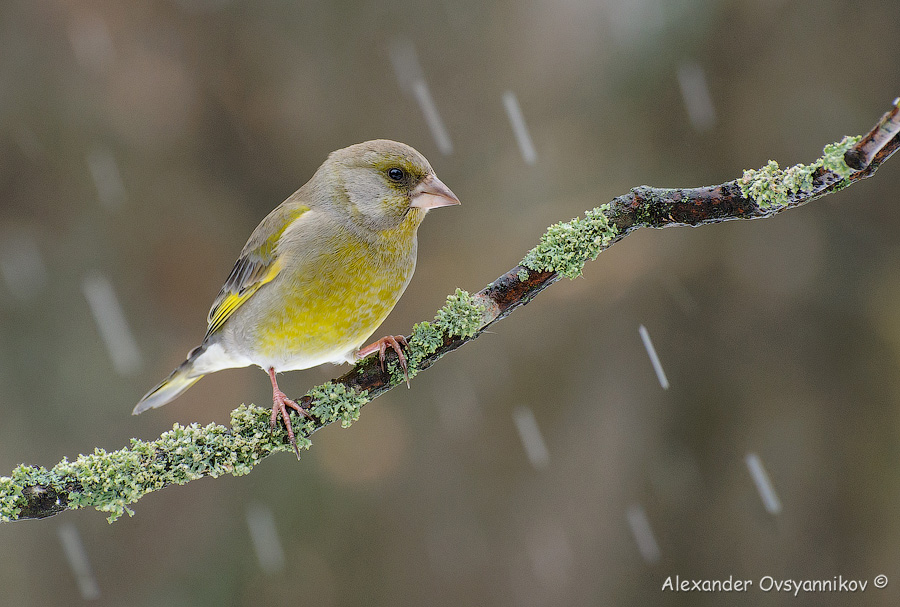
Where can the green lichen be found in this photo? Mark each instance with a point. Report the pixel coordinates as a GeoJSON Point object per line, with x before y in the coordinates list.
{"type": "Point", "coordinates": [425, 339]}
{"type": "Point", "coordinates": [566, 247]}
{"type": "Point", "coordinates": [772, 187]}
{"type": "Point", "coordinates": [333, 402]}
{"type": "Point", "coordinates": [461, 316]}
{"type": "Point", "coordinates": [522, 275]}
{"type": "Point", "coordinates": [110, 481]}
{"type": "Point", "coordinates": [12, 497]}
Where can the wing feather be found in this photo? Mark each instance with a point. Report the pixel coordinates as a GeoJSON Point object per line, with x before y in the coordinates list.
{"type": "Point", "coordinates": [258, 264]}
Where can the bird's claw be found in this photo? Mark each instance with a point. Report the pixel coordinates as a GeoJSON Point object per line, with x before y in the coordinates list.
{"type": "Point", "coordinates": [395, 343]}
{"type": "Point", "coordinates": [280, 406]}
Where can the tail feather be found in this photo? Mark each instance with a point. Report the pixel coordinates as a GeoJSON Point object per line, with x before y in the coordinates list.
{"type": "Point", "coordinates": [171, 387]}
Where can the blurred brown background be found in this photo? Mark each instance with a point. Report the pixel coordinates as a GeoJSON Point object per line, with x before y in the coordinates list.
{"type": "Point", "coordinates": [141, 142]}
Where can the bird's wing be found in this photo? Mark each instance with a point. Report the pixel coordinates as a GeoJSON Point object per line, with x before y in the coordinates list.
{"type": "Point", "coordinates": [258, 264]}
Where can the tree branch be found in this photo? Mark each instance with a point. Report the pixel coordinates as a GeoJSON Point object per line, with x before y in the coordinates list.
{"type": "Point", "coordinates": [111, 481]}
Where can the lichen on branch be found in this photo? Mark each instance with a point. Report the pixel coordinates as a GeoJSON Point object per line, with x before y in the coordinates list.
{"type": "Point", "coordinates": [110, 481]}
{"type": "Point", "coordinates": [461, 316]}
{"type": "Point", "coordinates": [566, 247]}
{"type": "Point", "coordinates": [772, 186]}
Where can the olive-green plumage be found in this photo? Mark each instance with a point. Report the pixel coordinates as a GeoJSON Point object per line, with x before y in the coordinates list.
{"type": "Point", "coordinates": [322, 271]}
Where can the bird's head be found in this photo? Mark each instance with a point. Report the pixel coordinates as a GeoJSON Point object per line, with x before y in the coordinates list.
{"type": "Point", "coordinates": [384, 183]}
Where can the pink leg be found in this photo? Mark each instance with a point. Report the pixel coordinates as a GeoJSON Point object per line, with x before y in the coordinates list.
{"type": "Point", "coordinates": [280, 405]}
{"type": "Point", "coordinates": [396, 343]}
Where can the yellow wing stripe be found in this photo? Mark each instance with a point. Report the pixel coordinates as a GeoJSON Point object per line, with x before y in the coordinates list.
{"type": "Point", "coordinates": [233, 301]}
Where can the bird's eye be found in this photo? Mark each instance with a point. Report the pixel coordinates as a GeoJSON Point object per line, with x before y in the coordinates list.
{"type": "Point", "coordinates": [396, 174]}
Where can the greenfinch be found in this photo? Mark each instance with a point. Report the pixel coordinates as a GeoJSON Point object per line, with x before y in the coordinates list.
{"type": "Point", "coordinates": [319, 274]}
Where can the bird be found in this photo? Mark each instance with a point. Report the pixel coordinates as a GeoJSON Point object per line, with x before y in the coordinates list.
{"type": "Point", "coordinates": [319, 274]}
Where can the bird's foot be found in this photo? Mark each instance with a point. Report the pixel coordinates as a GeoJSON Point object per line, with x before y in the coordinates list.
{"type": "Point", "coordinates": [280, 405]}
{"type": "Point", "coordinates": [395, 343]}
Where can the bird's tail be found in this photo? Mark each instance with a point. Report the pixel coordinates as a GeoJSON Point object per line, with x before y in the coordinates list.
{"type": "Point", "coordinates": [173, 386]}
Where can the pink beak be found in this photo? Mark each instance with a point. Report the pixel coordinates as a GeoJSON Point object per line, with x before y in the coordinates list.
{"type": "Point", "coordinates": [431, 194]}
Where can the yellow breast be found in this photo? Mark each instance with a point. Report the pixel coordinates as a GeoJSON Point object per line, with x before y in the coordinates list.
{"type": "Point", "coordinates": [331, 304]}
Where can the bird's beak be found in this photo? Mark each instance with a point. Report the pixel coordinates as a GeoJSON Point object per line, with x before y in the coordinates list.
{"type": "Point", "coordinates": [432, 193]}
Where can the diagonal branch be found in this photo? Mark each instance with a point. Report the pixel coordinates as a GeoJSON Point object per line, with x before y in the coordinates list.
{"type": "Point", "coordinates": [111, 481]}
